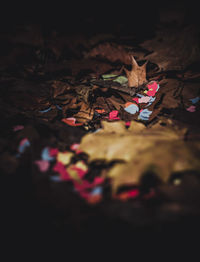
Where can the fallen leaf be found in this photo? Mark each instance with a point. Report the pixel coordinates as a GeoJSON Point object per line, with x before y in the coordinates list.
{"type": "Point", "coordinates": [140, 150]}
{"type": "Point", "coordinates": [85, 113]}
{"type": "Point", "coordinates": [137, 75]}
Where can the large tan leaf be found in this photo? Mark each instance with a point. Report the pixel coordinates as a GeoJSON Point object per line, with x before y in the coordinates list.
{"type": "Point", "coordinates": [137, 75]}
{"type": "Point", "coordinates": [160, 149]}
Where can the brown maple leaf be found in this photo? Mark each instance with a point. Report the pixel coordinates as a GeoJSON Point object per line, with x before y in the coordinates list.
{"type": "Point", "coordinates": [137, 75]}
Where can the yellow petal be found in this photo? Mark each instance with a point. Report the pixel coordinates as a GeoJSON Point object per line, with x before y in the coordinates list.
{"type": "Point", "coordinates": [64, 157]}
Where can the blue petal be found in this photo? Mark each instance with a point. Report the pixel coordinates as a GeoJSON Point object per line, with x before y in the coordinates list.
{"type": "Point", "coordinates": [55, 178]}
{"type": "Point", "coordinates": [97, 191]}
{"type": "Point", "coordinates": [152, 99]}
{"type": "Point", "coordinates": [195, 100]}
{"type": "Point", "coordinates": [24, 146]}
{"type": "Point", "coordinates": [59, 107]}
{"type": "Point", "coordinates": [132, 109]}
{"type": "Point", "coordinates": [45, 110]}
{"type": "Point", "coordinates": [145, 114]}
{"type": "Point", "coordinates": [45, 155]}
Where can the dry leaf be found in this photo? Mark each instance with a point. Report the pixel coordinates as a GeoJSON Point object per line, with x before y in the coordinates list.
{"type": "Point", "coordinates": [137, 75]}
{"type": "Point", "coordinates": [139, 149]}
{"type": "Point", "coordinates": [85, 114]}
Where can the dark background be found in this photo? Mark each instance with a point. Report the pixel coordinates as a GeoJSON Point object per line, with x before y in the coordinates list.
{"type": "Point", "coordinates": [82, 16]}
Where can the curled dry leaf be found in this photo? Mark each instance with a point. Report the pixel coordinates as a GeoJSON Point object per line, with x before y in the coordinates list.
{"type": "Point", "coordinates": [140, 150]}
{"type": "Point", "coordinates": [137, 75]}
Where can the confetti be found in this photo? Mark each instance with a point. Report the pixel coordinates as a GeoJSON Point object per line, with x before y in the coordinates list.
{"type": "Point", "coordinates": [195, 100]}
{"type": "Point", "coordinates": [60, 168]}
{"type": "Point", "coordinates": [53, 152]}
{"type": "Point", "coordinates": [43, 165]}
{"type": "Point", "coordinates": [144, 114]}
{"type": "Point", "coordinates": [64, 157]}
{"type": "Point", "coordinates": [59, 107]}
{"type": "Point", "coordinates": [24, 143]}
{"type": "Point", "coordinates": [113, 115]}
{"type": "Point", "coordinates": [100, 111]}
{"type": "Point", "coordinates": [45, 155]}
{"type": "Point", "coordinates": [136, 99]}
{"type": "Point", "coordinates": [153, 87]}
{"type": "Point", "coordinates": [191, 109]}
{"type": "Point", "coordinates": [74, 147]}
{"type": "Point", "coordinates": [45, 110]}
{"type": "Point", "coordinates": [71, 121]}
{"type": "Point", "coordinates": [128, 123]}
{"type": "Point", "coordinates": [132, 109]}
{"type": "Point", "coordinates": [144, 99]}
{"type": "Point", "coordinates": [17, 128]}
{"type": "Point", "coordinates": [97, 191]}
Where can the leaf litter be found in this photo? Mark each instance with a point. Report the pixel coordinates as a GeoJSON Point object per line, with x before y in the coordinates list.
{"type": "Point", "coordinates": [112, 126]}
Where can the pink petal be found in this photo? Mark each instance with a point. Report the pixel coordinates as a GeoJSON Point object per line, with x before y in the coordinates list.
{"type": "Point", "coordinates": [19, 127]}
{"type": "Point", "coordinates": [98, 180]}
{"type": "Point", "coordinates": [152, 88]}
{"type": "Point", "coordinates": [81, 172]}
{"type": "Point", "coordinates": [74, 147]}
{"type": "Point", "coordinates": [53, 151]}
{"type": "Point", "coordinates": [113, 115]}
{"type": "Point", "coordinates": [128, 123]}
{"type": "Point", "coordinates": [191, 109]}
{"type": "Point", "coordinates": [144, 99]}
{"type": "Point", "coordinates": [60, 168]}
{"type": "Point", "coordinates": [43, 165]}
{"type": "Point", "coordinates": [133, 193]}
{"type": "Point", "coordinates": [136, 99]}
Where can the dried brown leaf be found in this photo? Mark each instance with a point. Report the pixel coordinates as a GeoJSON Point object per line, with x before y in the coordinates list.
{"type": "Point", "coordinates": [139, 150]}
{"type": "Point", "coordinates": [137, 75]}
